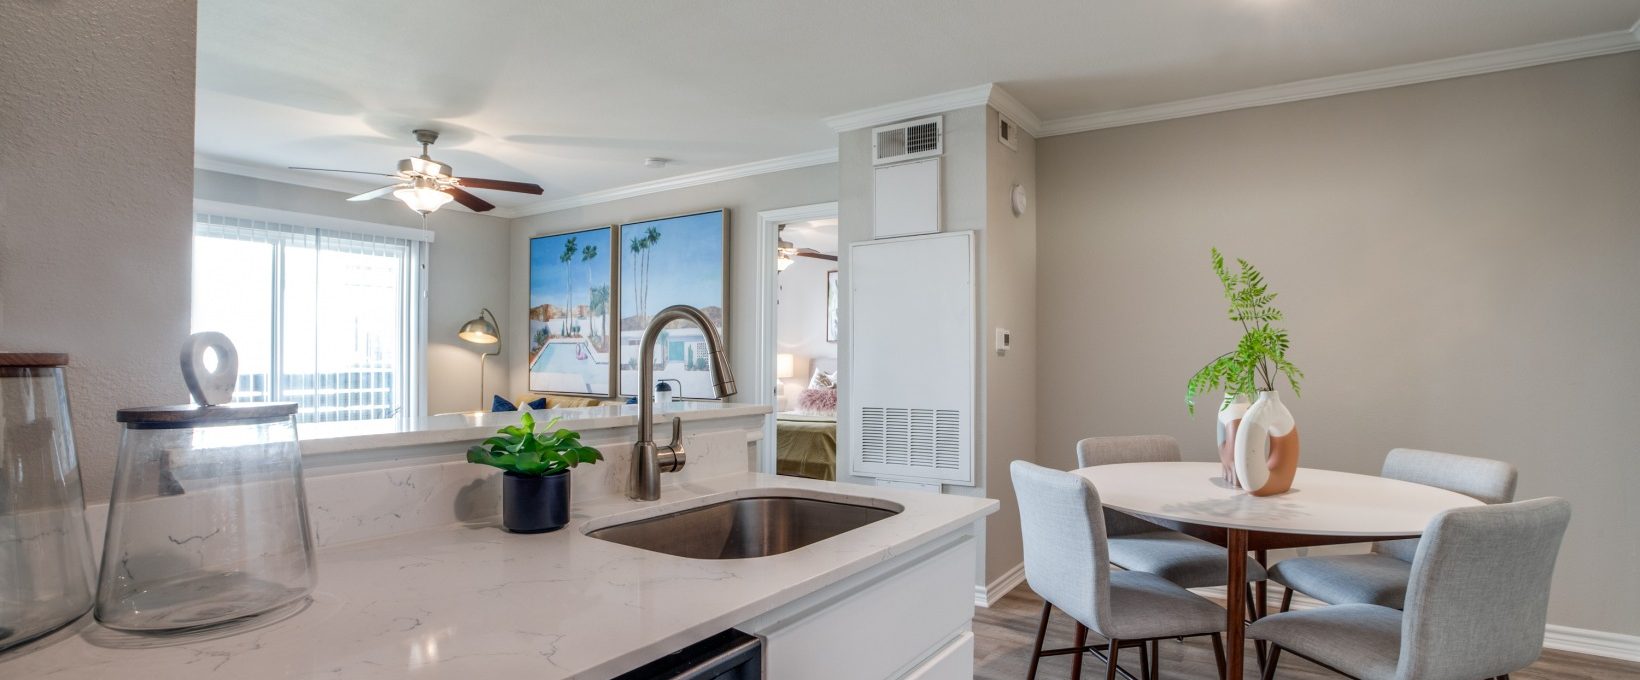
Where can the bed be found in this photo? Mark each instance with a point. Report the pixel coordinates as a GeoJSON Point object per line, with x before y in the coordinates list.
{"type": "Point", "coordinates": [806, 439]}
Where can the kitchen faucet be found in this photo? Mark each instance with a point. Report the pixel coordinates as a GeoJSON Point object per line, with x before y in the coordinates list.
{"type": "Point", "coordinates": [649, 460]}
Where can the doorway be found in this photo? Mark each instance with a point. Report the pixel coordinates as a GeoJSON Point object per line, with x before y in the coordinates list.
{"type": "Point", "coordinates": [799, 348]}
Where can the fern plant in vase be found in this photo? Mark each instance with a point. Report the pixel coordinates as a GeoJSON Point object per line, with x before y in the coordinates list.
{"type": "Point", "coordinates": [1258, 443]}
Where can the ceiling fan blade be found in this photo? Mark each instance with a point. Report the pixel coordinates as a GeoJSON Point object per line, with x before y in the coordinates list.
{"type": "Point", "coordinates": [472, 202]}
{"type": "Point", "coordinates": [375, 193]}
{"type": "Point", "coordinates": [356, 172]}
{"type": "Point", "coordinates": [500, 185]}
{"type": "Point", "coordinates": [809, 252]}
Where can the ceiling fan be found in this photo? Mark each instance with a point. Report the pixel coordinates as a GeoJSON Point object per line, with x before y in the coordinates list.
{"type": "Point", "coordinates": [786, 250]}
{"type": "Point", "coordinates": [426, 185]}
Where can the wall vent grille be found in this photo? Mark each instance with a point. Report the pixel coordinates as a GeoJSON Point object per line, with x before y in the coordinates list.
{"type": "Point", "coordinates": [911, 438]}
{"type": "Point", "coordinates": [907, 141]}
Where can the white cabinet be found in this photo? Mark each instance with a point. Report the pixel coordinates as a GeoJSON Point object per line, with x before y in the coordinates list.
{"type": "Point", "coordinates": [909, 618]}
{"type": "Point", "coordinates": [954, 661]}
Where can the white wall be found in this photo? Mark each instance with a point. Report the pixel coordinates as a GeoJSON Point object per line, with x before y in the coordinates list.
{"type": "Point", "coordinates": [744, 198]}
{"type": "Point", "coordinates": [465, 273]}
{"type": "Point", "coordinates": [977, 176]}
{"type": "Point", "coordinates": [1458, 265]}
{"type": "Point", "coordinates": [97, 110]}
{"type": "Point", "coordinates": [801, 319]}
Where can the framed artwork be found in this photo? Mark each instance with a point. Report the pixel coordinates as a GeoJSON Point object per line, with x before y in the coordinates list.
{"type": "Point", "coordinates": [831, 306]}
{"type": "Point", "coordinates": [571, 304]}
{"type": "Point", "coordinates": [671, 261]}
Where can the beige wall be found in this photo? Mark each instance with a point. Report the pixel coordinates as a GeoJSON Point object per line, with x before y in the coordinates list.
{"type": "Point", "coordinates": [1459, 262]}
{"type": "Point", "coordinates": [1009, 385]}
{"type": "Point", "coordinates": [743, 197]}
{"type": "Point", "coordinates": [466, 271]}
{"type": "Point", "coordinates": [96, 113]}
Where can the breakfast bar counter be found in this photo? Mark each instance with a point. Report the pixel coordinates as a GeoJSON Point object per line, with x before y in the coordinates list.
{"type": "Point", "coordinates": [468, 600]}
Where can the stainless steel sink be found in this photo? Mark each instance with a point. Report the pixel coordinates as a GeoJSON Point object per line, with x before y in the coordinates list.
{"type": "Point", "coordinates": [744, 527]}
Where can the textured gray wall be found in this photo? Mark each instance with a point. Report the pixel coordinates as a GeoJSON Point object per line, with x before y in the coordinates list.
{"type": "Point", "coordinates": [97, 117]}
{"type": "Point", "coordinates": [1457, 261]}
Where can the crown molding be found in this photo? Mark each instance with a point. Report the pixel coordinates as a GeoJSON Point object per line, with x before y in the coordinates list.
{"type": "Point", "coordinates": [1394, 76]}
{"type": "Point", "coordinates": [802, 160]}
{"type": "Point", "coordinates": [911, 108]}
{"type": "Point", "coordinates": [316, 181]}
{"type": "Point", "coordinates": [303, 178]}
{"type": "Point", "coordinates": [979, 95]}
{"type": "Point", "coordinates": [1023, 117]}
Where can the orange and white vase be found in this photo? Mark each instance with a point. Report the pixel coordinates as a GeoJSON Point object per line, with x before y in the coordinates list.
{"type": "Point", "coordinates": [1266, 456]}
{"type": "Point", "coordinates": [1231, 412]}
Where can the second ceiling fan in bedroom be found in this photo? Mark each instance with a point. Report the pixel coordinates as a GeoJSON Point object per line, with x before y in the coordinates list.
{"type": "Point", "coordinates": [426, 185]}
{"type": "Point", "coordinates": [785, 251]}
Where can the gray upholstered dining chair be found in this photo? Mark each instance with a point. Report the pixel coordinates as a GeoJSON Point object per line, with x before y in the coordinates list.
{"type": "Point", "coordinates": [1475, 607]}
{"type": "Point", "coordinates": [1067, 563]}
{"type": "Point", "coordinates": [1380, 577]}
{"type": "Point", "coordinates": [1137, 545]}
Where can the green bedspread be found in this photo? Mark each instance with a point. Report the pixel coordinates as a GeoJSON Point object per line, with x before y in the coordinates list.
{"type": "Point", "coordinates": [806, 445]}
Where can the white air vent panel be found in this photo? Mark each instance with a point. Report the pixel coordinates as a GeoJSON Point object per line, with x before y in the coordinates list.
{"type": "Point", "coordinates": [912, 354]}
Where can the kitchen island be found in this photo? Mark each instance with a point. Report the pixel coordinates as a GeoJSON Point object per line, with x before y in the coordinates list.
{"type": "Point", "coordinates": [417, 580]}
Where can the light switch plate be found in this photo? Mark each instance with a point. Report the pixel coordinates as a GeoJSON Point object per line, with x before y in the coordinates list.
{"type": "Point", "coordinates": [1004, 339]}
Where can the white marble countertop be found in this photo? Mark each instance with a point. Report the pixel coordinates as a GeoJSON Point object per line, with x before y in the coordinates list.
{"type": "Point", "coordinates": [327, 438]}
{"type": "Point", "coordinates": [1321, 503]}
{"type": "Point", "coordinates": [471, 601]}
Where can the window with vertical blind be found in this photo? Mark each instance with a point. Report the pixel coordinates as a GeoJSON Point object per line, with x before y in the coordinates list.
{"type": "Point", "coordinates": [328, 318]}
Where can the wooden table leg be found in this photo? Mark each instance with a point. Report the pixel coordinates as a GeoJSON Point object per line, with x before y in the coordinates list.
{"type": "Point", "coordinates": [1263, 587]}
{"type": "Point", "coordinates": [1235, 596]}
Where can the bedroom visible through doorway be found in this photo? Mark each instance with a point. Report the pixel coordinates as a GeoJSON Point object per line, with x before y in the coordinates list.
{"type": "Point", "coordinates": [806, 372]}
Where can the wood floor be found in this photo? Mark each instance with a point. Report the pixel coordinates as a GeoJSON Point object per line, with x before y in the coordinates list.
{"type": "Point", "coordinates": [1003, 636]}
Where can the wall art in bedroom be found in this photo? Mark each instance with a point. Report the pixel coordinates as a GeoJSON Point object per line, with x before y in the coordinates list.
{"type": "Point", "coordinates": [831, 306]}
{"type": "Point", "coordinates": [570, 312]}
{"type": "Point", "coordinates": [671, 261]}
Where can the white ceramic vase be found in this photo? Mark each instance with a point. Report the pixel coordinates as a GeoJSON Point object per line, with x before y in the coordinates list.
{"type": "Point", "coordinates": [1231, 412]}
{"type": "Point", "coordinates": [1266, 456]}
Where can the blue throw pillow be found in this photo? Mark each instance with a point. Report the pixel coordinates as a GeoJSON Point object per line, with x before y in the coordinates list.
{"type": "Point", "coordinates": [500, 404]}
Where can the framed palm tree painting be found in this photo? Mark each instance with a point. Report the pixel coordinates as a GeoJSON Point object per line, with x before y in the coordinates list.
{"type": "Point", "coordinates": [671, 261]}
{"type": "Point", "coordinates": [571, 303]}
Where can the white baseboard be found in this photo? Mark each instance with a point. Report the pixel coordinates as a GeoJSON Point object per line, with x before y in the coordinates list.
{"type": "Point", "coordinates": [1592, 642]}
{"type": "Point", "coordinates": [1562, 638]}
{"type": "Point", "coordinates": [987, 595]}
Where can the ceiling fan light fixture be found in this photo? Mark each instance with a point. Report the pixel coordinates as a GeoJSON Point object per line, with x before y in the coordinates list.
{"type": "Point", "coordinates": [423, 196]}
{"type": "Point", "coordinates": [784, 250]}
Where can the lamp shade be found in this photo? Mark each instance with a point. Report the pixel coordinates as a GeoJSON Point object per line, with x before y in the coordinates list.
{"type": "Point", "coordinates": [783, 366]}
{"type": "Point", "coordinates": [480, 330]}
{"type": "Point", "coordinates": [424, 197]}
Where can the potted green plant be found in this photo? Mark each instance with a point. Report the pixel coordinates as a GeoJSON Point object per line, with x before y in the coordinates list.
{"type": "Point", "coordinates": [535, 484]}
{"type": "Point", "coordinates": [1258, 447]}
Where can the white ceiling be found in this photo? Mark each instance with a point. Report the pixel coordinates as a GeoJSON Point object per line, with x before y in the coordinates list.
{"type": "Point", "coordinates": [574, 95]}
{"type": "Point", "coordinates": [818, 235]}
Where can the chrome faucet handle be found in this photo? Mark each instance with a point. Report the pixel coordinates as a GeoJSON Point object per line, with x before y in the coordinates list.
{"type": "Point", "coordinates": [672, 456]}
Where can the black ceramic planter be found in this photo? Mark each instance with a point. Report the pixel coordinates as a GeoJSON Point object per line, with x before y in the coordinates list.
{"type": "Point", "coordinates": [533, 505]}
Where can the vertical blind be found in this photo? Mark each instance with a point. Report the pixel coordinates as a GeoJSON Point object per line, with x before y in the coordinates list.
{"type": "Point", "coordinates": [324, 318]}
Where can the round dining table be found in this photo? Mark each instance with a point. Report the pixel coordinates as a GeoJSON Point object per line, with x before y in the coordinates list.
{"type": "Point", "coordinates": [1322, 508]}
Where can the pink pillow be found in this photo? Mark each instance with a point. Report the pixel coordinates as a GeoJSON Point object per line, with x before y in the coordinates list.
{"type": "Point", "coordinates": [817, 401]}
